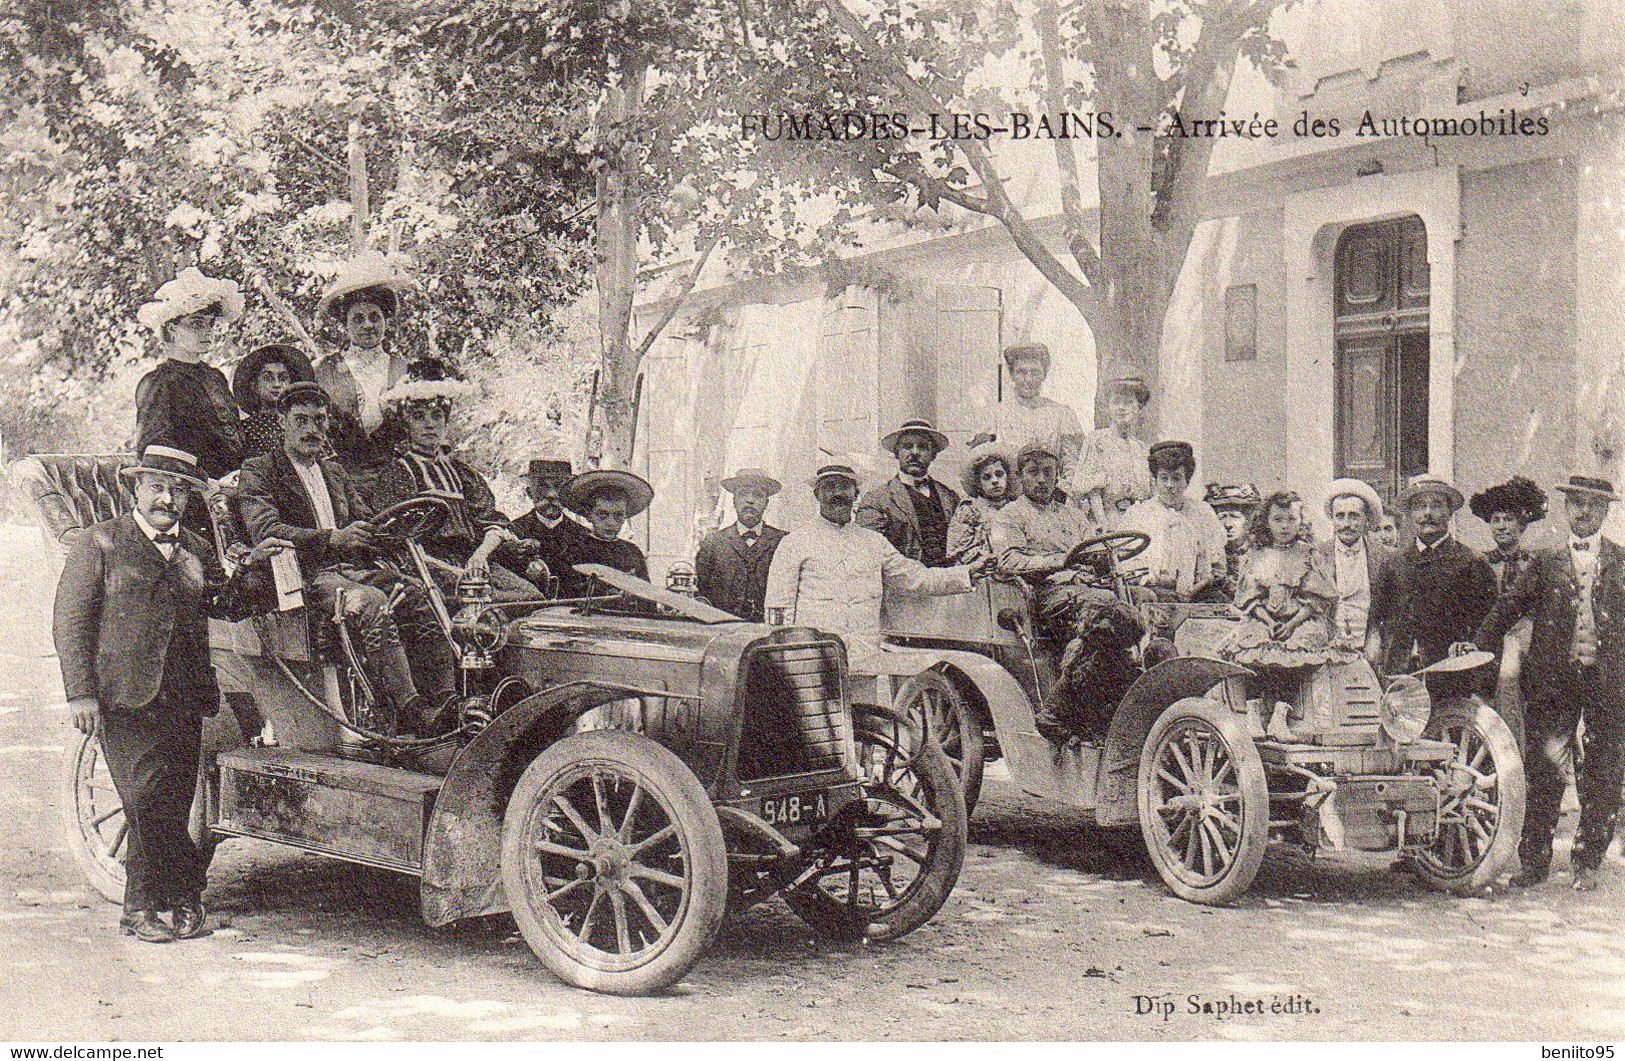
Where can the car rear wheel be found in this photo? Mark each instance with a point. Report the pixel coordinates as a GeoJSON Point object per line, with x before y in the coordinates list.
{"type": "Point", "coordinates": [614, 863]}
{"type": "Point", "coordinates": [1481, 802]}
{"type": "Point", "coordinates": [886, 867]}
{"type": "Point", "coordinates": [930, 697]}
{"type": "Point", "coordinates": [1204, 801]}
{"type": "Point", "coordinates": [93, 822]}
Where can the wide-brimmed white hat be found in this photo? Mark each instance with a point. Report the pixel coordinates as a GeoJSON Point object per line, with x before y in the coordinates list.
{"type": "Point", "coordinates": [367, 271]}
{"type": "Point", "coordinates": [1358, 488]}
{"type": "Point", "coordinates": [188, 293]}
{"type": "Point", "coordinates": [169, 462]}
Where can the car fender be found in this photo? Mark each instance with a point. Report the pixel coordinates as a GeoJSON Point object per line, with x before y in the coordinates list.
{"type": "Point", "coordinates": [462, 844]}
{"type": "Point", "coordinates": [1170, 681]}
{"type": "Point", "coordinates": [1001, 696]}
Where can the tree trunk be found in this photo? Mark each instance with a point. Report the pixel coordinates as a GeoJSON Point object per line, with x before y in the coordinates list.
{"type": "Point", "coordinates": [614, 415]}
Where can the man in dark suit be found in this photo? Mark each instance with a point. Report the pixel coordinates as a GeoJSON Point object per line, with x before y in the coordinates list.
{"type": "Point", "coordinates": [732, 563]}
{"type": "Point", "coordinates": [912, 509]}
{"type": "Point", "coordinates": [297, 495]}
{"type": "Point", "coordinates": [1575, 670]}
{"type": "Point", "coordinates": [132, 634]}
{"type": "Point", "coordinates": [1435, 591]}
{"type": "Point", "coordinates": [549, 538]}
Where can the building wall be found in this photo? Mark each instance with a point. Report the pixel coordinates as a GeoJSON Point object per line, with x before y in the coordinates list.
{"type": "Point", "coordinates": [1515, 326]}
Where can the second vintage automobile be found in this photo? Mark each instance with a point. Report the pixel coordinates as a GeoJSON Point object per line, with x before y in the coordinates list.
{"type": "Point", "coordinates": [1418, 765]}
{"type": "Point", "coordinates": [626, 766]}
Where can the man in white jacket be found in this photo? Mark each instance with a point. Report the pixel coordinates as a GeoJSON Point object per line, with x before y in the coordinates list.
{"type": "Point", "coordinates": [832, 573]}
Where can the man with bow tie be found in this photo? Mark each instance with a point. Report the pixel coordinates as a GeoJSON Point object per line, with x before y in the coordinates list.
{"type": "Point", "coordinates": [132, 633]}
{"type": "Point", "coordinates": [731, 565]}
{"type": "Point", "coordinates": [1355, 511]}
{"type": "Point", "coordinates": [912, 509]}
{"type": "Point", "coordinates": [1575, 670]}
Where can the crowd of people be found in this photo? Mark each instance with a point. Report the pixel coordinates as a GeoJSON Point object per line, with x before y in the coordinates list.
{"type": "Point", "coordinates": [310, 451]}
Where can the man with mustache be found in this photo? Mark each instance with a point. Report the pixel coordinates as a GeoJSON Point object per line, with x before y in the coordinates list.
{"type": "Point", "coordinates": [549, 539]}
{"type": "Point", "coordinates": [833, 573]}
{"type": "Point", "coordinates": [912, 509]}
{"type": "Point", "coordinates": [730, 569]}
{"type": "Point", "coordinates": [132, 633]}
{"type": "Point", "coordinates": [298, 495]}
{"type": "Point", "coordinates": [1434, 592]}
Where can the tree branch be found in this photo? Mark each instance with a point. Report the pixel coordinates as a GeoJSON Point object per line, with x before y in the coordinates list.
{"type": "Point", "coordinates": [676, 303]}
{"type": "Point", "coordinates": [1066, 158]}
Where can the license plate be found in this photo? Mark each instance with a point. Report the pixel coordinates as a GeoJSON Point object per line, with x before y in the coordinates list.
{"type": "Point", "coordinates": [798, 808]}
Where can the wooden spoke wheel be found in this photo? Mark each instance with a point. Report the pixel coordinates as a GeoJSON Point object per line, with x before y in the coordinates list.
{"type": "Point", "coordinates": [1204, 801]}
{"type": "Point", "coordinates": [932, 699]}
{"type": "Point", "coordinates": [887, 865]}
{"type": "Point", "coordinates": [93, 820]}
{"type": "Point", "coordinates": [614, 863]}
{"type": "Point", "coordinates": [1481, 799]}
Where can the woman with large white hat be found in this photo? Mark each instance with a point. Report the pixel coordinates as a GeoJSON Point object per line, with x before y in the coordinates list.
{"type": "Point", "coordinates": [362, 298]}
{"type": "Point", "coordinates": [185, 404]}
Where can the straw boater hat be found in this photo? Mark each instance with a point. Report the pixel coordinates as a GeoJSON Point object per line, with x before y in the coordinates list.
{"type": "Point", "coordinates": [1223, 497]}
{"type": "Point", "coordinates": [979, 458]}
{"type": "Point", "coordinates": [1358, 488]}
{"type": "Point", "coordinates": [427, 379]}
{"type": "Point", "coordinates": [922, 427]}
{"type": "Point", "coordinates": [756, 477]}
{"type": "Point", "coordinates": [188, 293]}
{"type": "Point", "coordinates": [579, 494]}
{"type": "Point", "coordinates": [1587, 486]}
{"type": "Point", "coordinates": [168, 461]}
{"type": "Point", "coordinates": [838, 468]}
{"type": "Point", "coordinates": [247, 373]}
{"type": "Point", "coordinates": [371, 276]}
{"type": "Point", "coordinates": [1428, 483]}
{"type": "Point", "coordinates": [1518, 495]}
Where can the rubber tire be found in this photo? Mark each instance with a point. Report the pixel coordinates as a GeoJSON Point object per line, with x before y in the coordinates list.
{"type": "Point", "coordinates": [106, 877]}
{"type": "Point", "coordinates": [661, 772]}
{"type": "Point", "coordinates": [946, 800]}
{"type": "Point", "coordinates": [972, 743]}
{"type": "Point", "coordinates": [1250, 781]}
{"type": "Point", "coordinates": [1510, 779]}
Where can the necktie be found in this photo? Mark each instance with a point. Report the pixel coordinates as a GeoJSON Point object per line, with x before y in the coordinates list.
{"type": "Point", "coordinates": [1581, 547]}
{"type": "Point", "coordinates": [166, 539]}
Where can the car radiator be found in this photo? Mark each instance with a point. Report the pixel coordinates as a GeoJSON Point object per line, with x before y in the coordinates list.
{"type": "Point", "coordinates": [795, 717]}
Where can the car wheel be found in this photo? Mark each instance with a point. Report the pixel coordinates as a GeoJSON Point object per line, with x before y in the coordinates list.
{"type": "Point", "coordinates": [886, 867]}
{"type": "Point", "coordinates": [1481, 802]}
{"type": "Point", "coordinates": [614, 863]}
{"type": "Point", "coordinates": [932, 698]}
{"type": "Point", "coordinates": [1204, 801]}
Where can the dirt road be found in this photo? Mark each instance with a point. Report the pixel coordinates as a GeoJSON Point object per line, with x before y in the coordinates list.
{"type": "Point", "coordinates": [1056, 931]}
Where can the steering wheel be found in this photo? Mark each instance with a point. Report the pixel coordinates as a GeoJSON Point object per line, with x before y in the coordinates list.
{"type": "Point", "coordinates": [414, 519]}
{"type": "Point", "coordinates": [1120, 545]}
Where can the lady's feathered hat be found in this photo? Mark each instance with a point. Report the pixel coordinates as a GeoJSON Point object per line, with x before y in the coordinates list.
{"type": "Point", "coordinates": [371, 277]}
{"type": "Point", "coordinates": [427, 379]}
{"type": "Point", "coordinates": [1518, 495]}
{"type": "Point", "coordinates": [188, 293]}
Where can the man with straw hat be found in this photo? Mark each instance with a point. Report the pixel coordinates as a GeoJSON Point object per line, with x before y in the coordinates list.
{"type": "Point", "coordinates": [731, 566]}
{"type": "Point", "coordinates": [132, 634]}
{"type": "Point", "coordinates": [1574, 672]}
{"type": "Point", "coordinates": [1355, 511]}
{"type": "Point", "coordinates": [912, 509]}
{"type": "Point", "coordinates": [1435, 591]}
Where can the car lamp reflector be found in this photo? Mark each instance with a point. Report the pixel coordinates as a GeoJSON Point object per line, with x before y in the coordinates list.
{"type": "Point", "coordinates": [1406, 708]}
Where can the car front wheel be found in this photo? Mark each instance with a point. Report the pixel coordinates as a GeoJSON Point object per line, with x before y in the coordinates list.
{"type": "Point", "coordinates": [614, 863]}
{"type": "Point", "coordinates": [1204, 801]}
{"type": "Point", "coordinates": [1481, 800]}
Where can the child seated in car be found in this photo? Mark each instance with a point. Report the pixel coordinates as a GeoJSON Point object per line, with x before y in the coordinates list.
{"type": "Point", "coordinates": [1286, 599]}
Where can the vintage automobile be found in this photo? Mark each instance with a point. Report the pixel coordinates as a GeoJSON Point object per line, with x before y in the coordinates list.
{"type": "Point", "coordinates": [626, 766]}
{"type": "Point", "coordinates": [1415, 765]}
